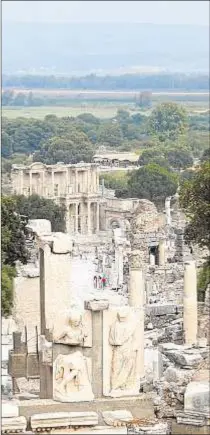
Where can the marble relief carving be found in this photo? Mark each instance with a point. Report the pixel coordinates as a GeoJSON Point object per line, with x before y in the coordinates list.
{"type": "Point", "coordinates": [124, 341]}
{"type": "Point", "coordinates": [71, 378]}
{"type": "Point", "coordinates": [72, 331]}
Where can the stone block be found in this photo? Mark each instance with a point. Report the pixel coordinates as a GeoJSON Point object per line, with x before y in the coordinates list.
{"type": "Point", "coordinates": [13, 424]}
{"type": "Point", "coordinates": [184, 359]}
{"type": "Point", "coordinates": [196, 397]}
{"type": "Point", "coordinates": [97, 305]}
{"type": "Point", "coordinates": [117, 418]}
{"type": "Point", "coordinates": [9, 409]}
{"type": "Point", "coordinates": [159, 428]}
{"type": "Point", "coordinates": [62, 243]}
{"type": "Point", "coordinates": [63, 419]}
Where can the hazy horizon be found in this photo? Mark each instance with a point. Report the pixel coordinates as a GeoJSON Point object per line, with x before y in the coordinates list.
{"type": "Point", "coordinates": [148, 12]}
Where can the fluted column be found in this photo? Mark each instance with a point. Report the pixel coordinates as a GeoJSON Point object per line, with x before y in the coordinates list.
{"type": "Point", "coordinates": [88, 217]}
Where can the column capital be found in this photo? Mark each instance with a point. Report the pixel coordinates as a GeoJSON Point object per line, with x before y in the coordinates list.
{"type": "Point", "coordinates": [95, 305]}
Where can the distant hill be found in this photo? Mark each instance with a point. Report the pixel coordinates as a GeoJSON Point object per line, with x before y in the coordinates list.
{"type": "Point", "coordinates": [81, 48]}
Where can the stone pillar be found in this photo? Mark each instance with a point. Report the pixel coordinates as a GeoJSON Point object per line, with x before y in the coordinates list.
{"type": "Point", "coordinates": [53, 183]}
{"type": "Point", "coordinates": [43, 190]}
{"type": "Point", "coordinates": [136, 300]}
{"type": "Point", "coordinates": [190, 304]}
{"type": "Point", "coordinates": [161, 253]}
{"type": "Point", "coordinates": [67, 182]}
{"type": "Point", "coordinates": [89, 217]}
{"type": "Point", "coordinates": [168, 210]}
{"type": "Point", "coordinates": [21, 182]}
{"type": "Point", "coordinates": [119, 263]}
{"type": "Point", "coordinates": [30, 182]}
{"type": "Point", "coordinates": [76, 181]}
{"type": "Point", "coordinates": [136, 288]}
{"type": "Point", "coordinates": [97, 308]}
{"type": "Point", "coordinates": [76, 218]}
{"type": "Point", "coordinates": [97, 217]}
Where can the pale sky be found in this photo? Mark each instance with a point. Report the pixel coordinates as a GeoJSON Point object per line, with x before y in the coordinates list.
{"type": "Point", "coordinates": [158, 12]}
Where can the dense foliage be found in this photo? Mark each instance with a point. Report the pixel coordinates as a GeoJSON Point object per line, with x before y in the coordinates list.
{"type": "Point", "coordinates": [194, 198]}
{"type": "Point", "coordinates": [151, 182]}
{"type": "Point", "coordinates": [36, 207]}
{"type": "Point", "coordinates": [167, 121]}
{"type": "Point", "coordinates": [13, 248]}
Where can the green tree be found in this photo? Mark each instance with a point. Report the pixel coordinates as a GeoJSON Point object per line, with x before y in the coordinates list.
{"type": "Point", "coordinates": [6, 145]}
{"type": "Point", "coordinates": [152, 182]}
{"type": "Point", "coordinates": [71, 149]}
{"type": "Point", "coordinates": [194, 199]}
{"type": "Point", "coordinates": [36, 207]}
{"type": "Point", "coordinates": [13, 233]}
{"type": "Point", "coordinates": [206, 155]}
{"type": "Point", "coordinates": [167, 121]}
{"type": "Point", "coordinates": [144, 99]}
{"type": "Point", "coordinates": [7, 275]}
{"type": "Point", "coordinates": [179, 158]}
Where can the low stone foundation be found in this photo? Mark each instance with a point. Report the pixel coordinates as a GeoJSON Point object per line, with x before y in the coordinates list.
{"type": "Point", "coordinates": [139, 406]}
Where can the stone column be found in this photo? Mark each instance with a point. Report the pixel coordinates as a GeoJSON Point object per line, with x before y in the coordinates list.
{"type": "Point", "coordinates": [136, 288]}
{"type": "Point", "coordinates": [43, 184]}
{"type": "Point", "coordinates": [97, 308]}
{"type": "Point", "coordinates": [152, 259]}
{"type": "Point", "coordinates": [190, 304]}
{"type": "Point", "coordinates": [30, 182]}
{"type": "Point", "coordinates": [76, 181]}
{"type": "Point", "coordinates": [161, 253]}
{"type": "Point", "coordinates": [97, 217]}
{"type": "Point", "coordinates": [67, 182]}
{"type": "Point", "coordinates": [88, 217]}
{"type": "Point", "coordinates": [53, 183]}
{"type": "Point", "coordinates": [136, 300]}
{"type": "Point", "coordinates": [168, 210]}
{"type": "Point", "coordinates": [21, 182]}
{"type": "Point", "coordinates": [76, 218]}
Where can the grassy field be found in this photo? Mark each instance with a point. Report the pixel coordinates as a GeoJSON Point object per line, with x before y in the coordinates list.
{"type": "Point", "coordinates": [101, 111]}
{"type": "Point", "coordinates": [102, 106]}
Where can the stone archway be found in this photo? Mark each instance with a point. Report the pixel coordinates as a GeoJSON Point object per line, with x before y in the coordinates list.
{"type": "Point", "coordinates": [114, 223]}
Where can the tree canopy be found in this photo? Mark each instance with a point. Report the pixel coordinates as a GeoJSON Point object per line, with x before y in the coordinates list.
{"type": "Point", "coordinates": [167, 121]}
{"type": "Point", "coordinates": [36, 207]}
{"type": "Point", "coordinates": [194, 199]}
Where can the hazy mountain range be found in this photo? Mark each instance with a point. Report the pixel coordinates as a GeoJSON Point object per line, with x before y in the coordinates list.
{"type": "Point", "coordinates": [81, 48]}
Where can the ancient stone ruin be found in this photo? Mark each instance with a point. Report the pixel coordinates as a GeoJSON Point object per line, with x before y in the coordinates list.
{"type": "Point", "coordinates": [109, 337]}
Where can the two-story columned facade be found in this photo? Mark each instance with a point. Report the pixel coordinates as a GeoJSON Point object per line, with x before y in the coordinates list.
{"type": "Point", "coordinates": [75, 186]}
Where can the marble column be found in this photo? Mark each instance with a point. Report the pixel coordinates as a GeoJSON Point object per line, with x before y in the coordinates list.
{"type": "Point", "coordinates": [21, 182]}
{"type": "Point", "coordinates": [168, 210]}
{"type": "Point", "coordinates": [76, 181]}
{"type": "Point", "coordinates": [190, 304]}
{"type": "Point", "coordinates": [161, 253]}
{"type": "Point", "coordinates": [152, 259]}
{"type": "Point", "coordinates": [136, 288]}
{"type": "Point", "coordinates": [53, 184]}
{"type": "Point", "coordinates": [30, 183]}
{"type": "Point", "coordinates": [76, 218]}
{"type": "Point", "coordinates": [89, 217]}
{"type": "Point", "coordinates": [119, 263]}
{"type": "Point", "coordinates": [43, 184]}
{"type": "Point", "coordinates": [97, 217]}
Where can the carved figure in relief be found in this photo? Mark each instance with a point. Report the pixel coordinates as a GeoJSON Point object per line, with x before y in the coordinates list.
{"type": "Point", "coordinates": [123, 339]}
{"type": "Point", "coordinates": [74, 332]}
{"type": "Point", "coordinates": [71, 381]}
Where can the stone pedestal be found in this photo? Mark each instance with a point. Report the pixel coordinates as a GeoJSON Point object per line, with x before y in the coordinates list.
{"type": "Point", "coordinates": [190, 304]}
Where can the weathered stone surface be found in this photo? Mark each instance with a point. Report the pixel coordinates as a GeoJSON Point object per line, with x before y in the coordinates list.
{"type": "Point", "coordinates": [71, 378]}
{"type": "Point", "coordinates": [155, 429]}
{"type": "Point", "coordinates": [9, 409]}
{"type": "Point", "coordinates": [184, 359]}
{"type": "Point", "coordinates": [97, 305]}
{"type": "Point", "coordinates": [116, 418]}
{"type": "Point", "coordinates": [63, 419]}
{"type": "Point", "coordinates": [197, 397]}
{"type": "Point", "coordinates": [13, 424]}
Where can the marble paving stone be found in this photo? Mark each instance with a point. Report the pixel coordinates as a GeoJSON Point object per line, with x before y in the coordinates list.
{"type": "Point", "coordinates": [13, 424]}
{"type": "Point", "coordinates": [63, 419]}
